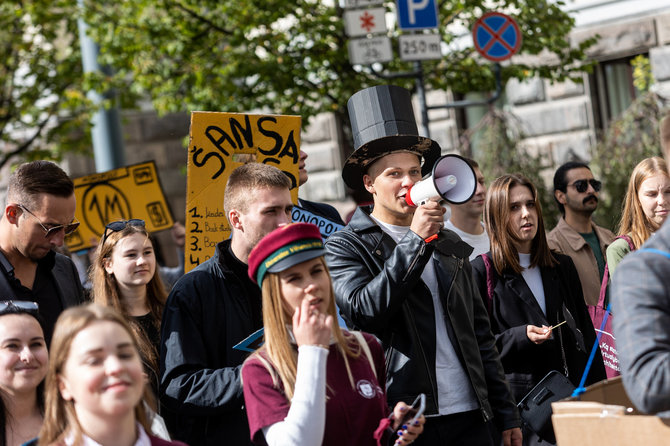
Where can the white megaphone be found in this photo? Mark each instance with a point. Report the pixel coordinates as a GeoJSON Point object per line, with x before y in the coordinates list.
{"type": "Point", "coordinates": [452, 179]}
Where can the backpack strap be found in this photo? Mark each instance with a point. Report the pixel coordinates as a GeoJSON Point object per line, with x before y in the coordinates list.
{"type": "Point", "coordinates": [489, 282]}
{"type": "Point", "coordinates": [582, 383]}
{"type": "Point", "coordinates": [603, 287]}
{"type": "Point", "coordinates": [366, 349]}
{"type": "Point", "coordinates": [628, 239]}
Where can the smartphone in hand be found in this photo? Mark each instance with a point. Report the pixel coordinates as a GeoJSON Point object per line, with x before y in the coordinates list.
{"type": "Point", "coordinates": [412, 413]}
{"type": "Point", "coordinates": [415, 411]}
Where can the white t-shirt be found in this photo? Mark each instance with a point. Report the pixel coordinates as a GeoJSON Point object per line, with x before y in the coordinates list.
{"type": "Point", "coordinates": [455, 392]}
{"type": "Point", "coordinates": [480, 242]}
{"type": "Point", "coordinates": [533, 279]}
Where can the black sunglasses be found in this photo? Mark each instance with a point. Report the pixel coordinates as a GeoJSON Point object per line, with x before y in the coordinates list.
{"type": "Point", "coordinates": [582, 185]}
{"type": "Point", "coordinates": [48, 232]}
{"type": "Point", "coordinates": [8, 306]}
{"type": "Point", "coordinates": [120, 225]}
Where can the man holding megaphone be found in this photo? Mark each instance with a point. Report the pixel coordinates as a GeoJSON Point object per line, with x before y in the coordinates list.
{"type": "Point", "coordinates": [399, 275]}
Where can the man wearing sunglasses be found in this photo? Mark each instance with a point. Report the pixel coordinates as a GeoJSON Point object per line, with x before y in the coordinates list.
{"type": "Point", "coordinates": [576, 235]}
{"type": "Point", "coordinates": [39, 213]}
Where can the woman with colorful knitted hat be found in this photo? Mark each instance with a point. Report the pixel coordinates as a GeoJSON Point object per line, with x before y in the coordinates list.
{"type": "Point", "coordinates": [312, 383]}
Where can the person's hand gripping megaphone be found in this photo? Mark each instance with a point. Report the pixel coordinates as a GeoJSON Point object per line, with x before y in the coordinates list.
{"type": "Point", "coordinates": [453, 180]}
{"type": "Point", "coordinates": [428, 219]}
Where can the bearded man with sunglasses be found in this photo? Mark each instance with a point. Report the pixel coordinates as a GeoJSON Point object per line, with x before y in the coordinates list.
{"type": "Point", "coordinates": [39, 213]}
{"type": "Point", "coordinates": [576, 235]}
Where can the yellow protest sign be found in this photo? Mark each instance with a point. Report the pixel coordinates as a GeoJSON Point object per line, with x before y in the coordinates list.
{"type": "Point", "coordinates": [220, 143]}
{"type": "Point", "coordinates": [120, 194]}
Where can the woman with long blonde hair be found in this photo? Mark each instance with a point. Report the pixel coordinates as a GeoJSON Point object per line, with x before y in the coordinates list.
{"type": "Point", "coordinates": [289, 397]}
{"type": "Point", "coordinates": [125, 278]}
{"type": "Point", "coordinates": [645, 208]}
{"type": "Point", "coordinates": [95, 383]}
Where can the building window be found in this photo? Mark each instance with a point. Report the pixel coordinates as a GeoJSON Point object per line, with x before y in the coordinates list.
{"type": "Point", "coordinates": [612, 90]}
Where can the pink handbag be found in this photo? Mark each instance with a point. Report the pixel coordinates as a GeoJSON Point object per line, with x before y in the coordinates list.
{"type": "Point", "coordinates": [603, 324]}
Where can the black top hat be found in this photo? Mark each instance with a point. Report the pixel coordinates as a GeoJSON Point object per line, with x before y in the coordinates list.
{"type": "Point", "coordinates": [382, 121]}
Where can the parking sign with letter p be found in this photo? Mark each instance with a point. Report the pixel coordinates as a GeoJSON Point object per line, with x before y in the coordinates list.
{"type": "Point", "coordinates": [417, 14]}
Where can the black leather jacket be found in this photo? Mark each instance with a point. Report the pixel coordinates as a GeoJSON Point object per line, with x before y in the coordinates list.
{"type": "Point", "coordinates": [378, 289]}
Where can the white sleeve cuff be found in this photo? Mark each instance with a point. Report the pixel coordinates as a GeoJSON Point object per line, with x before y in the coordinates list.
{"type": "Point", "coordinates": [306, 419]}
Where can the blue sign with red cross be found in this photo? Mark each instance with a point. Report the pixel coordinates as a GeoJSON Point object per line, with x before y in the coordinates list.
{"type": "Point", "coordinates": [496, 36]}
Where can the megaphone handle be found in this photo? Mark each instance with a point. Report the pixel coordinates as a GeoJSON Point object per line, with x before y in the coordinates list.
{"type": "Point", "coordinates": [431, 238]}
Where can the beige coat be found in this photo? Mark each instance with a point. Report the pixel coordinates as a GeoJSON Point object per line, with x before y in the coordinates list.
{"type": "Point", "coordinates": [567, 241]}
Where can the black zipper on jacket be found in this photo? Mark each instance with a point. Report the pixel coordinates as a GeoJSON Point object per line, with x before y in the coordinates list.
{"type": "Point", "coordinates": [422, 250]}
{"type": "Point", "coordinates": [453, 279]}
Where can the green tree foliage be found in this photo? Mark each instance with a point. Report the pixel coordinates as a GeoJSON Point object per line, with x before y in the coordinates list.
{"type": "Point", "coordinates": [290, 56]}
{"type": "Point", "coordinates": [42, 109]}
{"type": "Point", "coordinates": [643, 78]}
{"type": "Point", "coordinates": [499, 135]}
{"type": "Point", "coordinates": [279, 56]}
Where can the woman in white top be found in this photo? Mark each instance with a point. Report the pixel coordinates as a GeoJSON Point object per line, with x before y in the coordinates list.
{"type": "Point", "coordinates": [95, 383]}
{"type": "Point", "coordinates": [528, 289]}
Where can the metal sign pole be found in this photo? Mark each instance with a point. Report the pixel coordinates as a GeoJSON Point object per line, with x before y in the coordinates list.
{"type": "Point", "coordinates": [421, 96]}
{"type": "Point", "coordinates": [106, 132]}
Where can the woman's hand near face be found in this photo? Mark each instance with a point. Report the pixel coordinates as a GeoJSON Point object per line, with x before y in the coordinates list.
{"type": "Point", "coordinates": [538, 335]}
{"type": "Point", "coordinates": [311, 327]}
{"type": "Point", "coordinates": [407, 433]}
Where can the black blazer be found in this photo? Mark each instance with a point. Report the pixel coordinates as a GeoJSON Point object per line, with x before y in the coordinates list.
{"type": "Point", "coordinates": [70, 291]}
{"type": "Point", "coordinates": [513, 307]}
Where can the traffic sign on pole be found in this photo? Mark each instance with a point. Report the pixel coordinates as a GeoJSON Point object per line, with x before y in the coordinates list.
{"type": "Point", "coordinates": [417, 14]}
{"type": "Point", "coordinates": [370, 50]}
{"type": "Point", "coordinates": [496, 36]}
{"type": "Point", "coordinates": [361, 22]}
{"type": "Point", "coordinates": [420, 46]}
{"type": "Point", "coordinates": [362, 3]}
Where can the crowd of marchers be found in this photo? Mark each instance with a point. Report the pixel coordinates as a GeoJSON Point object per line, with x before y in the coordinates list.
{"type": "Point", "coordinates": [452, 308]}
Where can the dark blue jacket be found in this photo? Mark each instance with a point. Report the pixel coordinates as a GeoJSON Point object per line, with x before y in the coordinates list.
{"type": "Point", "coordinates": [209, 310]}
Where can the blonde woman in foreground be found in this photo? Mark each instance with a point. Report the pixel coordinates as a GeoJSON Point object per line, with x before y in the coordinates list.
{"type": "Point", "coordinates": [95, 383]}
